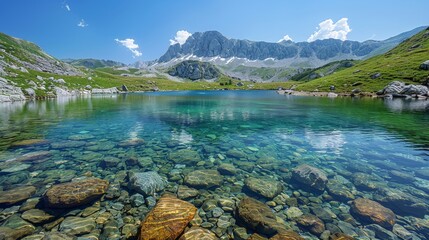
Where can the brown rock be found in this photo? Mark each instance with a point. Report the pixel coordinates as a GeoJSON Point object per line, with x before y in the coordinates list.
{"type": "Point", "coordinates": [36, 216]}
{"type": "Point", "coordinates": [312, 223]}
{"type": "Point", "coordinates": [287, 235]}
{"type": "Point", "coordinates": [197, 233]}
{"type": "Point", "coordinates": [259, 217]}
{"type": "Point", "coordinates": [15, 195]}
{"type": "Point", "coordinates": [168, 219]}
{"type": "Point", "coordinates": [373, 212]}
{"type": "Point", "coordinates": [204, 179]}
{"type": "Point", "coordinates": [74, 194]}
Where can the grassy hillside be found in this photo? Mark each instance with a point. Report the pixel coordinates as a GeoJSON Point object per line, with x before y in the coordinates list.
{"type": "Point", "coordinates": [401, 63]}
{"type": "Point", "coordinates": [93, 63]}
{"type": "Point", "coordinates": [328, 69]}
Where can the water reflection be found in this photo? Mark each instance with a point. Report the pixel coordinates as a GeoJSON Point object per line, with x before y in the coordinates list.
{"type": "Point", "coordinates": [399, 105]}
{"type": "Point", "coordinates": [323, 142]}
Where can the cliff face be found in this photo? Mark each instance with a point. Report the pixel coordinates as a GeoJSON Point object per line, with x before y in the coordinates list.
{"type": "Point", "coordinates": [194, 70]}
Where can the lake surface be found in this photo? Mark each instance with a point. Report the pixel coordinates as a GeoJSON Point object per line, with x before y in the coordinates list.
{"type": "Point", "coordinates": [374, 149]}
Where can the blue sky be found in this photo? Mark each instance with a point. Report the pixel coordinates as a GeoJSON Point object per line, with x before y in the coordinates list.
{"type": "Point", "coordinates": [108, 27]}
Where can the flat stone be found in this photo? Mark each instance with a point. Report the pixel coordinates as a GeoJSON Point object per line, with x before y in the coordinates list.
{"type": "Point", "coordinates": [77, 225]}
{"type": "Point", "coordinates": [16, 168]}
{"type": "Point", "coordinates": [15, 195]}
{"type": "Point", "coordinates": [185, 156]}
{"type": "Point", "coordinates": [197, 233]}
{"type": "Point", "coordinates": [265, 188]}
{"type": "Point", "coordinates": [29, 142]}
{"type": "Point", "coordinates": [204, 179]}
{"type": "Point", "coordinates": [168, 219]}
{"type": "Point", "coordinates": [34, 156]}
{"type": "Point", "coordinates": [259, 217]}
{"type": "Point", "coordinates": [373, 212]}
{"type": "Point", "coordinates": [310, 176]}
{"type": "Point", "coordinates": [74, 194]}
{"type": "Point", "coordinates": [381, 232]}
{"type": "Point", "coordinates": [287, 235]}
{"type": "Point", "coordinates": [146, 183]}
{"type": "Point", "coordinates": [15, 228]}
{"type": "Point", "coordinates": [184, 192]}
{"type": "Point", "coordinates": [36, 216]}
{"type": "Point", "coordinates": [400, 202]}
{"type": "Point", "coordinates": [339, 191]}
{"type": "Point", "coordinates": [227, 169]}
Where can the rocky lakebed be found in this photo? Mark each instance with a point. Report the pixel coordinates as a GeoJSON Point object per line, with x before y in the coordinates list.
{"type": "Point", "coordinates": [201, 173]}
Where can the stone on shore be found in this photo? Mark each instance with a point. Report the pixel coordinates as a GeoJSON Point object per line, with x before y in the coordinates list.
{"type": "Point", "coordinates": [72, 194]}
{"type": "Point", "coordinates": [373, 212]}
{"type": "Point", "coordinates": [310, 176]}
{"type": "Point", "coordinates": [168, 219]}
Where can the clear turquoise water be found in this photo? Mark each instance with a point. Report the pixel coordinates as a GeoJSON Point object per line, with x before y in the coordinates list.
{"type": "Point", "coordinates": [340, 136]}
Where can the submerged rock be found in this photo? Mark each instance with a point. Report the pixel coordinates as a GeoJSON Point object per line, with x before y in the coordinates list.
{"type": "Point", "coordinates": [227, 169]}
{"type": "Point", "coordinates": [287, 235]}
{"type": "Point", "coordinates": [197, 233]}
{"type": "Point", "coordinates": [339, 191]}
{"type": "Point", "coordinates": [204, 179]}
{"type": "Point", "coordinates": [36, 216]}
{"type": "Point", "coordinates": [373, 212]}
{"type": "Point", "coordinates": [184, 192]}
{"type": "Point", "coordinates": [259, 217]}
{"type": "Point", "coordinates": [168, 219]}
{"type": "Point", "coordinates": [16, 195]}
{"type": "Point", "coordinates": [185, 156]}
{"type": "Point", "coordinates": [310, 177]}
{"type": "Point", "coordinates": [311, 223]}
{"type": "Point", "coordinates": [401, 202]}
{"type": "Point", "coordinates": [74, 194]}
{"type": "Point", "coordinates": [77, 225]}
{"type": "Point", "coordinates": [266, 188]}
{"type": "Point", "coordinates": [146, 183]}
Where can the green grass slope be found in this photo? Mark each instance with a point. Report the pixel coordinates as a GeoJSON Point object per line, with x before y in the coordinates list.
{"type": "Point", "coordinates": [325, 70]}
{"type": "Point", "coordinates": [401, 63]}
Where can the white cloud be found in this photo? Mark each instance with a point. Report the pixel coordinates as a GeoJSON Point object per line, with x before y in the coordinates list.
{"type": "Point", "coordinates": [129, 43]}
{"type": "Point", "coordinates": [329, 29]}
{"type": "Point", "coordinates": [82, 24]}
{"type": "Point", "coordinates": [181, 37]}
{"type": "Point", "coordinates": [67, 7]}
{"type": "Point", "coordinates": [285, 38]}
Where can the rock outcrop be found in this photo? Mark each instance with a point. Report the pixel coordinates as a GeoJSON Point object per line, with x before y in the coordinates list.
{"type": "Point", "coordinates": [398, 89]}
{"type": "Point", "coordinates": [112, 90]}
{"type": "Point", "coordinates": [10, 93]}
{"type": "Point", "coordinates": [195, 70]}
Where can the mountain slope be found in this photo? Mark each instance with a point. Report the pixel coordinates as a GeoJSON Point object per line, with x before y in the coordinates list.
{"type": "Point", "coordinates": [93, 63]}
{"type": "Point", "coordinates": [401, 63]}
{"type": "Point", "coordinates": [23, 55]}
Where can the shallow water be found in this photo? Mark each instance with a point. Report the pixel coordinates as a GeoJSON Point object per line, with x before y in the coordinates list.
{"type": "Point", "coordinates": [274, 133]}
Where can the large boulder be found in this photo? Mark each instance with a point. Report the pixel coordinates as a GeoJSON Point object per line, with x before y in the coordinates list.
{"type": "Point", "coordinates": [204, 179]}
{"type": "Point", "coordinates": [414, 89]}
{"type": "Point", "coordinates": [16, 195]}
{"type": "Point", "coordinates": [259, 217]}
{"type": "Point", "coordinates": [264, 187]}
{"type": "Point", "coordinates": [10, 93]}
{"type": "Point", "coordinates": [168, 219]}
{"type": "Point", "coordinates": [310, 176]}
{"type": "Point", "coordinates": [146, 183]}
{"type": "Point", "coordinates": [373, 212]}
{"type": "Point", "coordinates": [72, 194]}
{"type": "Point", "coordinates": [425, 65]}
